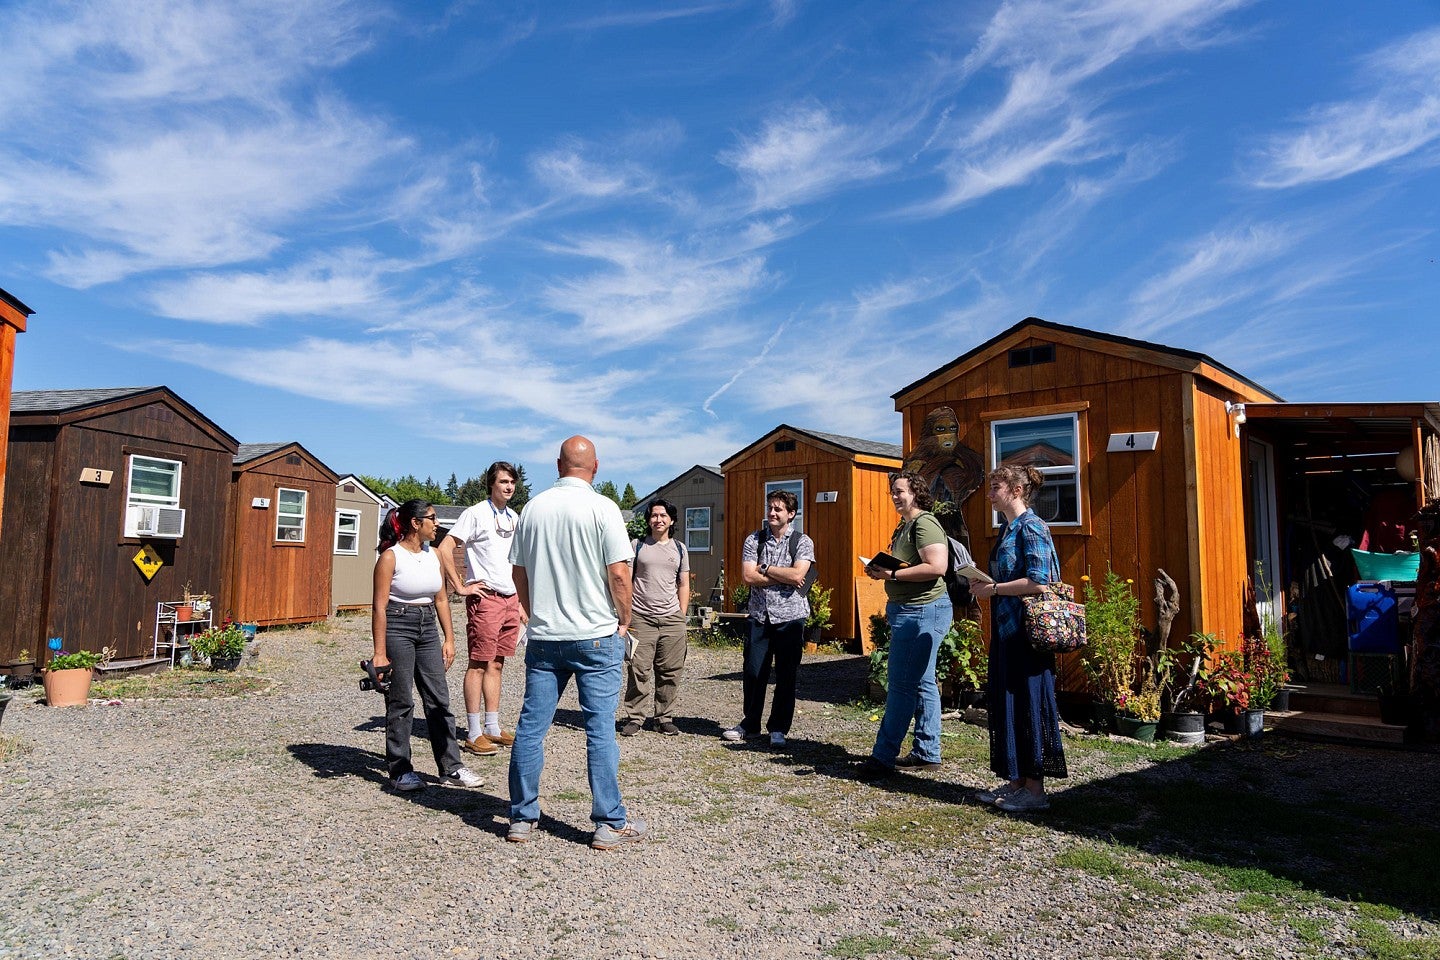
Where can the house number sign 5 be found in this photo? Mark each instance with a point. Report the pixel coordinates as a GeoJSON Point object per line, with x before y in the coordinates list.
{"type": "Point", "coordinates": [1133, 442]}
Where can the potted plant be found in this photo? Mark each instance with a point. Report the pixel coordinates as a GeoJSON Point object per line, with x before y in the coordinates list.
{"type": "Point", "coordinates": [1138, 712]}
{"type": "Point", "coordinates": [1229, 688]}
{"type": "Point", "coordinates": [68, 676]}
{"type": "Point", "coordinates": [819, 618]}
{"type": "Point", "coordinates": [879, 677]}
{"type": "Point", "coordinates": [223, 645]}
{"type": "Point", "coordinates": [1267, 670]}
{"type": "Point", "coordinates": [962, 664]}
{"type": "Point", "coordinates": [1181, 673]}
{"type": "Point", "coordinates": [740, 598]}
{"type": "Point", "coordinates": [1112, 617]}
{"type": "Point", "coordinates": [21, 668]}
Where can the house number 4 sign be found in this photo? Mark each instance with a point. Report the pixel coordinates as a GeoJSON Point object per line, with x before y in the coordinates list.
{"type": "Point", "coordinates": [1133, 442]}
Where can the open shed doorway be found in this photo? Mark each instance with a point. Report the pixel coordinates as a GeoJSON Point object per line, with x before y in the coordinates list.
{"type": "Point", "coordinates": [1339, 477]}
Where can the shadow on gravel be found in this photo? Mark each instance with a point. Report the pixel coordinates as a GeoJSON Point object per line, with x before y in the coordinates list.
{"type": "Point", "coordinates": [1274, 816]}
{"type": "Point", "coordinates": [475, 808]}
{"type": "Point", "coordinates": [826, 679]}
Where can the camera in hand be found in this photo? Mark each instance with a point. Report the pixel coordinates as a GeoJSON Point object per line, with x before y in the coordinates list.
{"type": "Point", "coordinates": [376, 678]}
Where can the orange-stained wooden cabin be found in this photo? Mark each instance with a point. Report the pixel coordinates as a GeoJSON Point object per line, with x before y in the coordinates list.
{"type": "Point", "coordinates": [279, 563]}
{"type": "Point", "coordinates": [857, 521]}
{"type": "Point", "coordinates": [13, 315]}
{"type": "Point", "coordinates": [1180, 507]}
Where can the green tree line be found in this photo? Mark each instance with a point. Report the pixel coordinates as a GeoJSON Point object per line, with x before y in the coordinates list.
{"type": "Point", "coordinates": [472, 490]}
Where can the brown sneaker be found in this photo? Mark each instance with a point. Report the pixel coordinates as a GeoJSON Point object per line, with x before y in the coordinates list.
{"type": "Point", "coordinates": [480, 746]}
{"type": "Point", "coordinates": [501, 739]}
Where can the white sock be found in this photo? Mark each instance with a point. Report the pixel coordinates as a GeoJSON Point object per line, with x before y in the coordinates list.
{"type": "Point", "coordinates": [472, 723]}
{"type": "Point", "coordinates": [492, 722]}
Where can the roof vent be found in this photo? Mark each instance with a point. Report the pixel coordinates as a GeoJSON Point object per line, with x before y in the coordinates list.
{"type": "Point", "coordinates": [784, 446]}
{"type": "Point", "coordinates": [1030, 356]}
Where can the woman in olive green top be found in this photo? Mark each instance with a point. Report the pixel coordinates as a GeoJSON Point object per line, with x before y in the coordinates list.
{"type": "Point", "coordinates": [919, 613]}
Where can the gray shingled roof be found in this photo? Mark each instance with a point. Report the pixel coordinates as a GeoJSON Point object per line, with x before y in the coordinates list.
{"type": "Point", "coordinates": [857, 445]}
{"type": "Point", "coordinates": [54, 401]}
{"type": "Point", "coordinates": [249, 451]}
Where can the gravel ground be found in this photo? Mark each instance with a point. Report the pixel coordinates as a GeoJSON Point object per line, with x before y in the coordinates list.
{"type": "Point", "coordinates": [260, 826]}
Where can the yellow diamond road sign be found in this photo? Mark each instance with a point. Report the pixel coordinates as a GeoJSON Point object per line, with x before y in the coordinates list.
{"type": "Point", "coordinates": [148, 561]}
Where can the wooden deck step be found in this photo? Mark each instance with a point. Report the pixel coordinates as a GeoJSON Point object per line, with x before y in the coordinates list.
{"type": "Point", "coordinates": [1334, 698]}
{"type": "Point", "coordinates": [1345, 727]}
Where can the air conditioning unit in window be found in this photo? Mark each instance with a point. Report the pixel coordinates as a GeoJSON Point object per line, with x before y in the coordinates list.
{"type": "Point", "coordinates": [161, 522]}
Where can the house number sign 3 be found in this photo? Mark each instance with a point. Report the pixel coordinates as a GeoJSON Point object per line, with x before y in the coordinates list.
{"type": "Point", "coordinates": [95, 475]}
{"type": "Point", "coordinates": [1133, 442]}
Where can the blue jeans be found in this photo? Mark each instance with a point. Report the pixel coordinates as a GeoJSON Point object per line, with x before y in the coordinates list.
{"type": "Point", "coordinates": [598, 666]}
{"type": "Point", "coordinates": [915, 634]}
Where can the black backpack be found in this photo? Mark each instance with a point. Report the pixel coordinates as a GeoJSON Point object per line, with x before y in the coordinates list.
{"type": "Point", "coordinates": [794, 542]}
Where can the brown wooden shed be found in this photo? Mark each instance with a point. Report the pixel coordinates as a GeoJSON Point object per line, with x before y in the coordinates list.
{"type": "Point", "coordinates": [94, 477]}
{"type": "Point", "coordinates": [357, 530]}
{"type": "Point", "coordinates": [699, 497]}
{"type": "Point", "coordinates": [1139, 441]}
{"type": "Point", "coordinates": [13, 316]}
{"type": "Point", "coordinates": [282, 523]}
{"type": "Point", "coordinates": [843, 487]}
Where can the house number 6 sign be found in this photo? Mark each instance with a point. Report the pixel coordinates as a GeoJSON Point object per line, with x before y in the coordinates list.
{"type": "Point", "coordinates": [1133, 442]}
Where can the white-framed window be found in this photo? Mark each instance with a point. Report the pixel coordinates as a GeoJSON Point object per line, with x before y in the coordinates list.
{"type": "Point", "coordinates": [697, 529]}
{"type": "Point", "coordinates": [153, 482]}
{"type": "Point", "coordinates": [347, 532]}
{"type": "Point", "coordinates": [796, 487]}
{"type": "Point", "coordinates": [290, 515]}
{"type": "Point", "coordinates": [1051, 444]}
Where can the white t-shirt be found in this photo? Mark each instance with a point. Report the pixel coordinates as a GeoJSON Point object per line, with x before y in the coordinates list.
{"type": "Point", "coordinates": [485, 533]}
{"type": "Point", "coordinates": [417, 576]}
{"type": "Point", "coordinates": [568, 536]}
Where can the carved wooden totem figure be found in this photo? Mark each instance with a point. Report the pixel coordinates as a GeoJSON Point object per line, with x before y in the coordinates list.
{"type": "Point", "coordinates": [952, 470]}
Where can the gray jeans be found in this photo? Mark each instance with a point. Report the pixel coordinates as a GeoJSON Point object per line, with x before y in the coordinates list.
{"type": "Point", "coordinates": [412, 642]}
{"type": "Point", "coordinates": [653, 674]}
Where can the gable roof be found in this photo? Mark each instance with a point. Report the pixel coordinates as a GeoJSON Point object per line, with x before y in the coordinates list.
{"type": "Point", "coordinates": [854, 448]}
{"type": "Point", "coordinates": [13, 312]}
{"type": "Point", "coordinates": [364, 487]}
{"type": "Point", "coordinates": [1156, 353]}
{"type": "Point", "coordinates": [252, 454]}
{"type": "Point", "coordinates": [59, 407]}
{"type": "Point", "coordinates": [715, 471]}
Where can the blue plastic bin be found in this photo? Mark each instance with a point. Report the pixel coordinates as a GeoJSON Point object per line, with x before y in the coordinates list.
{"type": "Point", "coordinates": [1374, 618]}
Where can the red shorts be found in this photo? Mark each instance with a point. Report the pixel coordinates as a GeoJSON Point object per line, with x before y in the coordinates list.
{"type": "Point", "coordinates": [492, 625]}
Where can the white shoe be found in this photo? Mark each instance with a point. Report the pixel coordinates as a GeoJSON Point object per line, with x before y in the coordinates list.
{"type": "Point", "coordinates": [735, 734]}
{"type": "Point", "coordinates": [408, 782]}
{"type": "Point", "coordinates": [465, 777]}
{"type": "Point", "coordinates": [777, 739]}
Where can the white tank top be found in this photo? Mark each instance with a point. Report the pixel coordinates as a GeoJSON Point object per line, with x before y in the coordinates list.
{"type": "Point", "coordinates": [417, 576]}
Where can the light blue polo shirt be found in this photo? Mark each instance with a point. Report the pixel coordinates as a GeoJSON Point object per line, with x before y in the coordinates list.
{"type": "Point", "coordinates": [566, 538]}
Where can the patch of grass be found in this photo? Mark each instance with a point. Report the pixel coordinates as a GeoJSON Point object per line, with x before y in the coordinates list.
{"type": "Point", "coordinates": [12, 747]}
{"type": "Point", "coordinates": [569, 796]}
{"type": "Point", "coordinates": [1103, 863]}
{"type": "Point", "coordinates": [857, 947]}
{"type": "Point", "coordinates": [1128, 751]}
{"type": "Point", "coordinates": [715, 639]}
{"type": "Point", "coordinates": [1308, 930]}
{"type": "Point", "coordinates": [948, 825]}
{"type": "Point", "coordinates": [723, 922]}
{"type": "Point", "coordinates": [178, 685]}
{"type": "Point", "coordinates": [1219, 924]}
{"type": "Point", "coordinates": [826, 909]}
{"type": "Point", "coordinates": [1256, 903]}
{"type": "Point", "coordinates": [1379, 943]}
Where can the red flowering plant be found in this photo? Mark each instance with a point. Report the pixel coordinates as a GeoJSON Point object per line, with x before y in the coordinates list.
{"type": "Point", "coordinates": [1266, 669]}
{"type": "Point", "coordinates": [1229, 686]}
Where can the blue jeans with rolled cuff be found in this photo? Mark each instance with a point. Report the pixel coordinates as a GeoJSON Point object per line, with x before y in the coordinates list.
{"type": "Point", "coordinates": [598, 666]}
{"type": "Point", "coordinates": [915, 634]}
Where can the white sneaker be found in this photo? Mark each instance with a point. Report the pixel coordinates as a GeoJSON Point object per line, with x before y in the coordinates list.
{"type": "Point", "coordinates": [408, 782]}
{"type": "Point", "coordinates": [777, 739]}
{"type": "Point", "coordinates": [735, 734]}
{"type": "Point", "coordinates": [465, 777]}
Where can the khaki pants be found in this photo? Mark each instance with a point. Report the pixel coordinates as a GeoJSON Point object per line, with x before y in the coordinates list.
{"type": "Point", "coordinates": [653, 674]}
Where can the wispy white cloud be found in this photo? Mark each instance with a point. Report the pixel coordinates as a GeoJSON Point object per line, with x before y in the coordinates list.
{"type": "Point", "coordinates": [332, 286]}
{"type": "Point", "coordinates": [801, 153]}
{"type": "Point", "coordinates": [646, 18]}
{"type": "Point", "coordinates": [1397, 115]}
{"type": "Point", "coordinates": [651, 289]}
{"type": "Point", "coordinates": [571, 174]}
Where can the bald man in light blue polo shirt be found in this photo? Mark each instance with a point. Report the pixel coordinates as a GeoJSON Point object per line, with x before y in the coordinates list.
{"type": "Point", "coordinates": [571, 559]}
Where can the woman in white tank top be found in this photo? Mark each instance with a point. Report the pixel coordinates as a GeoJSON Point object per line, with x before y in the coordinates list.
{"type": "Point", "coordinates": [408, 600]}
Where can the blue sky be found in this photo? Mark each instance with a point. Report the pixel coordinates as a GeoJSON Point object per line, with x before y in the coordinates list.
{"type": "Point", "coordinates": [419, 237]}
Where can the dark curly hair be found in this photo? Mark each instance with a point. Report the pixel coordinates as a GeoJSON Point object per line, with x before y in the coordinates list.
{"type": "Point", "coordinates": [924, 499]}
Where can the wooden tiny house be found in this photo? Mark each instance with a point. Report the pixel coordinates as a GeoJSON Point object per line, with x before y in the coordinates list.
{"type": "Point", "coordinates": [357, 530]}
{"type": "Point", "coordinates": [13, 316]}
{"type": "Point", "coordinates": [282, 522]}
{"type": "Point", "coordinates": [699, 498]}
{"type": "Point", "coordinates": [1082, 405]}
{"type": "Point", "coordinates": [843, 485]}
{"type": "Point", "coordinates": [94, 478]}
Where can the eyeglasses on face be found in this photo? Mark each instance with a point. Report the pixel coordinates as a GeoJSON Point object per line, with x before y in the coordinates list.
{"type": "Point", "coordinates": [430, 517]}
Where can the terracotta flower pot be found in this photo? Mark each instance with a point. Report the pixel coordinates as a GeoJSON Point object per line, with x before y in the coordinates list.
{"type": "Point", "coordinates": [183, 613]}
{"type": "Point", "coordinates": [68, 688]}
